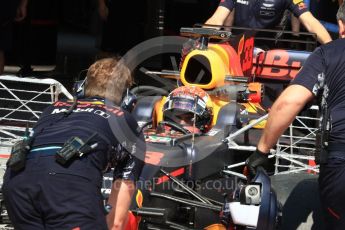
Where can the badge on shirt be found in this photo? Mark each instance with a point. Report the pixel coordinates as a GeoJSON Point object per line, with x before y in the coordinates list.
{"type": "Point", "coordinates": [268, 5]}
{"type": "Point", "coordinates": [243, 2]}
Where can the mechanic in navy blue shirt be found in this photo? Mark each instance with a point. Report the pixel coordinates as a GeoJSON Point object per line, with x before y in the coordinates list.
{"type": "Point", "coordinates": [49, 195]}
{"type": "Point", "coordinates": [266, 14]}
{"type": "Point", "coordinates": [323, 73]}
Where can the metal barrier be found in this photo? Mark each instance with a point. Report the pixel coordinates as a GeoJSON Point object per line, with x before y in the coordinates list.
{"type": "Point", "coordinates": [22, 101]}
{"type": "Point", "coordinates": [295, 149]}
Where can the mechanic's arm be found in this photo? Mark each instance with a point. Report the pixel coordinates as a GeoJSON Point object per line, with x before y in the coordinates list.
{"type": "Point", "coordinates": [229, 21]}
{"type": "Point", "coordinates": [283, 112]}
{"type": "Point", "coordinates": [219, 16]}
{"type": "Point", "coordinates": [120, 199]}
{"type": "Point", "coordinates": [314, 26]}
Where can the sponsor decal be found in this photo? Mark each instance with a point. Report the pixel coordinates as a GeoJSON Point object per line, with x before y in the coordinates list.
{"type": "Point", "coordinates": [102, 114]}
{"type": "Point", "coordinates": [142, 123]}
{"type": "Point", "coordinates": [78, 110]}
{"type": "Point", "coordinates": [158, 139]}
{"type": "Point", "coordinates": [270, 5]}
{"type": "Point", "coordinates": [247, 56]}
{"type": "Point", "coordinates": [91, 108]}
{"type": "Point", "coordinates": [243, 2]}
{"type": "Point", "coordinates": [87, 107]}
{"type": "Point", "coordinates": [267, 13]}
{"type": "Point", "coordinates": [213, 132]}
{"type": "Point", "coordinates": [153, 158]}
{"type": "Point", "coordinates": [277, 64]}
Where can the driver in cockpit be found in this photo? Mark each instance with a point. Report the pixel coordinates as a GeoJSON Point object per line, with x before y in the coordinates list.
{"type": "Point", "coordinates": [189, 108]}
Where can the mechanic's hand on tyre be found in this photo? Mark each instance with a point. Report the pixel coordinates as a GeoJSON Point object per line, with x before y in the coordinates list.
{"type": "Point", "coordinates": [254, 161]}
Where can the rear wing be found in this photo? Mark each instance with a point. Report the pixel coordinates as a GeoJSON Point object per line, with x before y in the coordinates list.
{"type": "Point", "coordinates": [278, 38]}
{"type": "Point", "coordinates": [280, 56]}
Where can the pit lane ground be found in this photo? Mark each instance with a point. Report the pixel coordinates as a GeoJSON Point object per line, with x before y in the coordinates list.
{"type": "Point", "coordinates": [299, 196]}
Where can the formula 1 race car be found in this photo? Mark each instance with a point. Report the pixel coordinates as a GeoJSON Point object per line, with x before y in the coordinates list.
{"type": "Point", "coordinates": [196, 129]}
{"type": "Point", "coordinates": [185, 180]}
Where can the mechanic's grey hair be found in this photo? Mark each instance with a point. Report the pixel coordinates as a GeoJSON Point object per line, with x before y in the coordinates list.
{"type": "Point", "coordinates": [341, 12]}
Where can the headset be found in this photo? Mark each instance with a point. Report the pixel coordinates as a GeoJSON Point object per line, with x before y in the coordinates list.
{"type": "Point", "coordinates": [79, 85]}
{"type": "Point", "coordinates": [79, 88]}
{"type": "Point", "coordinates": [128, 100]}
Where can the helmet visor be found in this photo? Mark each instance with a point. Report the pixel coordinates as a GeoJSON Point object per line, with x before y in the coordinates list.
{"type": "Point", "coordinates": [190, 105]}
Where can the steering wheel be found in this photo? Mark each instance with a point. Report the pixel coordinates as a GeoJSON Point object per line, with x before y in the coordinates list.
{"type": "Point", "coordinates": [175, 126]}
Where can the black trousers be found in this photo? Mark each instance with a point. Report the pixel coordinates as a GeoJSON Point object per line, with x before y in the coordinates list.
{"type": "Point", "coordinates": [332, 190]}
{"type": "Point", "coordinates": [46, 195]}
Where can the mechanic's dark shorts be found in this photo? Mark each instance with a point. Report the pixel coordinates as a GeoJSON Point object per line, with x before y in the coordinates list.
{"type": "Point", "coordinates": [38, 197]}
{"type": "Point", "coordinates": [332, 189]}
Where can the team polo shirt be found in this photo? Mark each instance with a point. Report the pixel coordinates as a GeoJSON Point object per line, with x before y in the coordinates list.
{"type": "Point", "coordinates": [262, 14]}
{"type": "Point", "coordinates": [330, 60]}
{"type": "Point", "coordinates": [118, 137]}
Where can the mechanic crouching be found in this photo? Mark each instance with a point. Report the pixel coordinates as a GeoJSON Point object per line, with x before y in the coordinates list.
{"type": "Point", "coordinates": [322, 77]}
{"type": "Point", "coordinates": [54, 176]}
